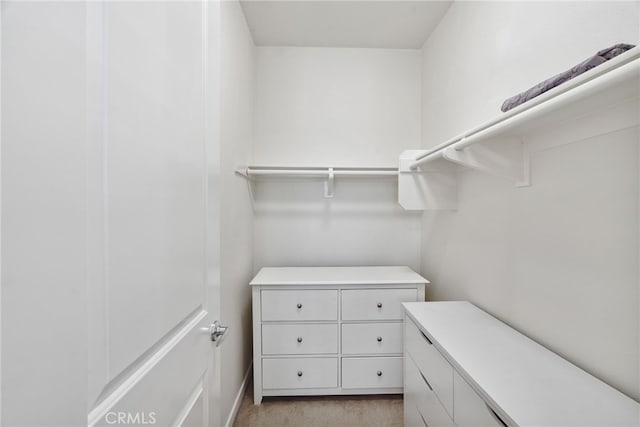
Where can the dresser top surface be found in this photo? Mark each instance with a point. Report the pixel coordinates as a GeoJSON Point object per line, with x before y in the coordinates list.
{"type": "Point", "coordinates": [336, 276]}
{"type": "Point", "coordinates": [531, 384]}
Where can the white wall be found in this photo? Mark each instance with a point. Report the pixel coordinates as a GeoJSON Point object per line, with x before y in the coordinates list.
{"type": "Point", "coordinates": [334, 107]}
{"type": "Point", "coordinates": [484, 52]}
{"type": "Point", "coordinates": [236, 213]}
{"type": "Point", "coordinates": [557, 260]}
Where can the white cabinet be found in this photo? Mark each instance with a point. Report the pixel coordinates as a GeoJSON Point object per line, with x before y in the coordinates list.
{"type": "Point", "coordinates": [330, 330]}
{"type": "Point", "coordinates": [422, 406]}
{"type": "Point", "coordinates": [434, 388]}
{"type": "Point", "coordinates": [465, 368]}
{"type": "Point", "coordinates": [470, 410]}
{"type": "Point", "coordinates": [432, 367]}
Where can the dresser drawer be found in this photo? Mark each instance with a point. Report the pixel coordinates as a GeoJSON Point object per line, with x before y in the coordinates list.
{"type": "Point", "coordinates": [299, 339]}
{"type": "Point", "coordinates": [421, 398]}
{"type": "Point", "coordinates": [375, 304]}
{"type": "Point", "coordinates": [372, 338]}
{"type": "Point", "coordinates": [470, 410]}
{"type": "Point", "coordinates": [412, 418]}
{"type": "Point", "coordinates": [299, 305]}
{"type": "Point", "coordinates": [288, 373]}
{"type": "Point", "coordinates": [371, 372]}
{"type": "Point", "coordinates": [433, 366]}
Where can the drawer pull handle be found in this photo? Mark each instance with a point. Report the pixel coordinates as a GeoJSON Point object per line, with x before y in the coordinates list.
{"type": "Point", "coordinates": [423, 420]}
{"type": "Point", "coordinates": [426, 337]}
{"type": "Point", "coordinates": [379, 339]}
{"type": "Point", "coordinates": [299, 339]}
{"type": "Point", "coordinates": [425, 380]}
{"type": "Point", "coordinates": [379, 305]}
{"type": "Point", "coordinates": [299, 306]}
{"type": "Point", "coordinates": [379, 373]}
{"type": "Point", "coordinates": [299, 373]}
{"type": "Point", "coordinates": [496, 416]}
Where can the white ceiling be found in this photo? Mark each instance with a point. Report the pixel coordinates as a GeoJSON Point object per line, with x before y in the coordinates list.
{"type": "Point", "coordinates": [348, 23]}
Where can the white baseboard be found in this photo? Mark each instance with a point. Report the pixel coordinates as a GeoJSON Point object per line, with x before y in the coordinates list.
{"type": "Point", "coordinates": [238, 401]}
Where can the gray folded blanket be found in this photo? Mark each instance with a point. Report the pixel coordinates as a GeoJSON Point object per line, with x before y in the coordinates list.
{"type": "Point", "coordinates": [602, 56]}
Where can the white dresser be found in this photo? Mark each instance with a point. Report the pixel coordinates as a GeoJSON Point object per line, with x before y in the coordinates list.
{"type": "Point", "coordinates": [330, 330]}
{"type": "Point", "coordinates": [464, 367]}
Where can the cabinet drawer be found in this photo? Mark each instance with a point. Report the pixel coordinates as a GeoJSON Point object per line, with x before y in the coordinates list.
{"type": "Point", "coordinates": [372, 338]}
{"type": "Point", "coordinates": [289, 373]}
{"type": "Point", "coordinates": [433, 366]}
{"type": "Point", "coordinates": [299, 339]}
{"type": "Point", "coordinates": [375, 304]}
{"type": "Point", "coordinates": [412, 417]}
{"type": "Point", "coordinates": [299, 305]}
{"type": "Point", "coordinates": [371, 372]}
{"type": "Point", "coordinates": [419, 395]}
{"type": "Point", "coordinates": [470, 410]}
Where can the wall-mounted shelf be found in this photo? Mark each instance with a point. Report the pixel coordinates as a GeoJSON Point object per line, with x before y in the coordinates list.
{"type": "Point", "coordinates": [498, 147]}
{"type": "Point", "coordinates": [327, 173]}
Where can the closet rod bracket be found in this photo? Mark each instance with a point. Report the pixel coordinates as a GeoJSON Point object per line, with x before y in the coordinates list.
{"type": "Point", "coordinates": [329, 185]}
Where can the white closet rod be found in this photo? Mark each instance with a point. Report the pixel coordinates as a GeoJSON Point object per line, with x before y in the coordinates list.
{"type": "Point", "coordinates": [328, 174]}
{"type": "Point", "coordinates": [318, 172]}
{"type": "Point", "coordinates": [580, 88]}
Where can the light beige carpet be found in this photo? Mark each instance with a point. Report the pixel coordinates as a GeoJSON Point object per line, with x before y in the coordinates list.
{"type": "Point", "coordinates": [323, 411]}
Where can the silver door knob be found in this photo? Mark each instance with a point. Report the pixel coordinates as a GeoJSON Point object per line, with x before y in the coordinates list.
{"type": "Point", "coordinates": [379, 373]}
{"type": "Point", "coordinates": [379, 339]}
{"type": "Point", "coordinates": [379, 305]}
{"type": "Point", "coordinates": [299, 339]}
{"type": "Point", "coordinates": [299, 373]}
{"type": "Point", "coordinates": [218, 332]}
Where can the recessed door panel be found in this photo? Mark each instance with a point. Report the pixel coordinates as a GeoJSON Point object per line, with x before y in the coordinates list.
{"type": "Point", "coordinates": [154, 175]}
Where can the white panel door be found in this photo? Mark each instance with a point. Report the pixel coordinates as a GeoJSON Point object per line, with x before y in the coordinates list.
{"type": "Point", "coordinates": [110, 213]}
{"type": "Point", "coordinates": [149, 352]}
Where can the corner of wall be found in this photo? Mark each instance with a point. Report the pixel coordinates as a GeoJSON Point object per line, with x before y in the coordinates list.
{"type": "Point", "coordinates": [236, 245]}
